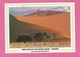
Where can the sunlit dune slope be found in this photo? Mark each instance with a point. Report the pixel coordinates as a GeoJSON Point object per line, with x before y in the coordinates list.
{"type": "Point", "coordinates": [59, 22]}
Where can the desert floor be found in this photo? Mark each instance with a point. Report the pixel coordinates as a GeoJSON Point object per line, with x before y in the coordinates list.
{"type": "Point", "coordinates": [54, 43]}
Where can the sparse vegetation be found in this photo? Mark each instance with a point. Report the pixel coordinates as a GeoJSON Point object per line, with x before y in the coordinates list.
{"type": "Point", "coordinates": [37, 37]}
{"type": "Point", "coordinates": [24, 38]}
{"type": "Point", "coordinates": [43, 36]}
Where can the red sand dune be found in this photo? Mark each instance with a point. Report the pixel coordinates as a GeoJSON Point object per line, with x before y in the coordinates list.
{"type": "Point", "coordinates": [59, 22]}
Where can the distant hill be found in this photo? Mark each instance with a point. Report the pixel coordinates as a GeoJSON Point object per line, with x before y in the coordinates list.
{"type": "Point", "coordinates": [44, 13]}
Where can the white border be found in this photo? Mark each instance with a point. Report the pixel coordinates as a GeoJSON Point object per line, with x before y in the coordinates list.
{"type": "Point", "coordinates": [61, 49]}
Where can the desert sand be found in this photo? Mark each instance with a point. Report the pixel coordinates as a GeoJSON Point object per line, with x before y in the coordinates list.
{"type": "Point", "coordinates": [63, 42]}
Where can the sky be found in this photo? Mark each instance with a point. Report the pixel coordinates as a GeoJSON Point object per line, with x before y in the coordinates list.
{"type": "Point", "coordinates": [21, 11]}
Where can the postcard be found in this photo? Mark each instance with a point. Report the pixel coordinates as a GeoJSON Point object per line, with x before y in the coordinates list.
{"type": "Point", "coordinates": [40, 27]}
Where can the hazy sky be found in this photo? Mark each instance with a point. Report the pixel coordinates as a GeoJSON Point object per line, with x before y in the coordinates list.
{"type": "Point", "coordinates": [19, 11]}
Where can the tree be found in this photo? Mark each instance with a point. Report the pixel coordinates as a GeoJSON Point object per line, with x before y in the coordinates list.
{"type": "Point", "coordinates": [49, 36]}
{"type": "Point", "coordinates": [24, 38]}
{"type": "Point", "coordinates": [44, 36]}
{"type": "Point", "coordinates": [37, 37]}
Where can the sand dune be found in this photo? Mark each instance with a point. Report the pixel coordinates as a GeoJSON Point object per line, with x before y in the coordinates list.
{"type": "Point", "coordinates": [18, 28]}
{"type": "Point", "coordinates": [59, 22]}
